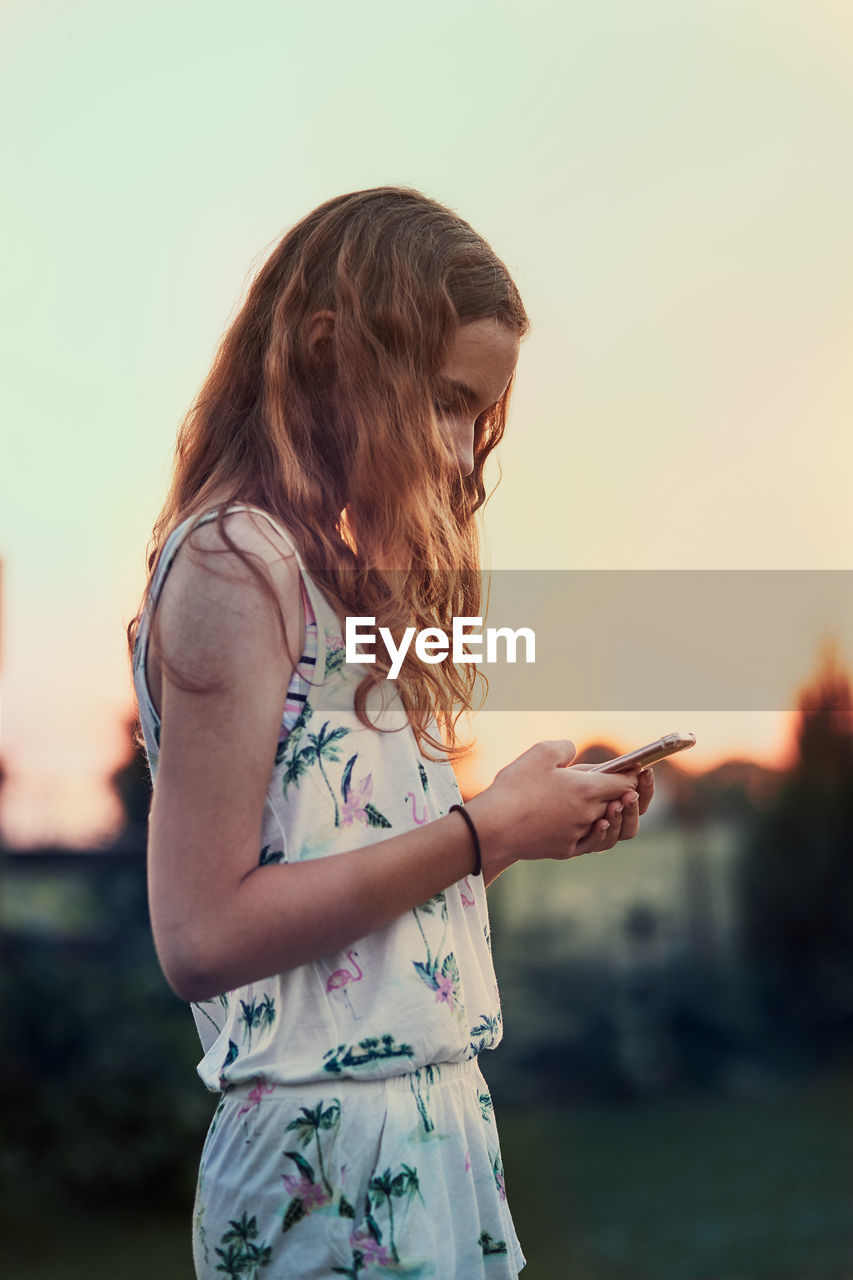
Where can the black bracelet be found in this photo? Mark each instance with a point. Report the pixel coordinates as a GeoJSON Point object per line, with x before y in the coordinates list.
{"type": "Point", "coordinates": [478, 870]}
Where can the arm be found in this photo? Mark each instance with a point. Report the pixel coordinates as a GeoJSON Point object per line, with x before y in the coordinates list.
{"type": "Point", "coordinates": [219, 919]}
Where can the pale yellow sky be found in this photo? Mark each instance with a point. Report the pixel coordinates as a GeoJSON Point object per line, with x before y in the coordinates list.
{"type": "Point", "coordinates": [667, 182]}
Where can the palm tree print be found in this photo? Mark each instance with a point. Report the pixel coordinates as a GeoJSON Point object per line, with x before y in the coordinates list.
{"type": "Point", "coordinates": [385, 1188]}
{"type": "Point", "coordinates": [441, 977]}
{"type": "Point", "coordinates": [425, 1077]}
{"type": "Point", "coordinates": [243, 1257]}
{"type": "Point", "coordinates": [486, 1106]}
{"type": "Point", "coordinates": [488, 1031]}
{"type": "Point", "coordinates": [322, 746]}
{"type": "Point", "coordinates": [490, 1246]}
{"type": "Point", "coordinates": [366, 1052]}
{"type": "Point", "coordinates": [257, 1016]}
{"type": "Point", "coordinates": [308, 1126]}
{"type": "Point", "coordinates": [289, 742]}
{"type": "Point", "coordinates": [438, 900]}
{"type": "Point", "coordinates": [230, 1057]}
{"type": "Point", "coordinates": [270, 855]}
{"type": "Point", "coordinates": [205, 1013]}
{"type": "Point", "coordinates": [294, 769]}
{"type": "Point", "coordinates": [335, 654]}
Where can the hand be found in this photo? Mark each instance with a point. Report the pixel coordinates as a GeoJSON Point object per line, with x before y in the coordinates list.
{"type": "Point", "coordinates": [538, 808]}
{"type": "Point", "coordinates": [622, 817]}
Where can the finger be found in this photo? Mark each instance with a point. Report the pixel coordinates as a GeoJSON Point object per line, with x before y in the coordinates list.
{"type": "Point", "coordinates": [630, 821]}
{"type": "Point", "coordinates": [646, 788]}
{"type": "Point", "coordinates": [615, 816]}
{"type": "Point", "coordinates": [614, 786]}
{"type": "Point", "coordinates": [605, 833]}
{"type": "Point", "coordinates": [592, 842]}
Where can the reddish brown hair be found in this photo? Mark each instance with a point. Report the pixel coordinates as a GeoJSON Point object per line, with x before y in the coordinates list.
{"type": "Point", "coordinates": [338, 438]}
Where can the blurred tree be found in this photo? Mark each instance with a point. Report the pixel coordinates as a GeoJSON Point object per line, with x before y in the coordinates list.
{"type": "Point", "coordinates": [98, 1094]}
{"type": "Point", "coordinates": [131, 782]}
{"type": "Point", "coordinates": [796, 877]}
{"type": "Point", "coordinates": [597, 753]}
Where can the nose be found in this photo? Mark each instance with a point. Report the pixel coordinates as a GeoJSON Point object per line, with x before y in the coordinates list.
{"type": "Point", "coordinates": [463, 436]}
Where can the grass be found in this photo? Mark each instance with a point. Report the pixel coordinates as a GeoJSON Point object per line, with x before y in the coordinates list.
{"type": "Point", "coordinates": [55, 1240]}
{"type": "Point", "coordinates": [696, 1188]}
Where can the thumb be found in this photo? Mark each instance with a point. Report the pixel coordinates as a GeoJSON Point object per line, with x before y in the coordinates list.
{"type": "Point", "coordinates": [618, 784]}
{"type": "Point", "coordinates": [561, 750]}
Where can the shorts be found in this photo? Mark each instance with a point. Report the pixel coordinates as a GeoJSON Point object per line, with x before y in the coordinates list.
{"type": "Point", "coordinates": [399, 1176]}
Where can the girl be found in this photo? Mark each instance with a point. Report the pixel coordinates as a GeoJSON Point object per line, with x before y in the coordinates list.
{"type": "Point", "coordinates": [317, 890]}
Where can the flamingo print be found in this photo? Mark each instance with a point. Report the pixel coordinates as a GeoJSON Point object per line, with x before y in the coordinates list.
{"type": "Point", "coordinates": [253, 1099]}
{"type": "Point", "coordinates": [411, 796]}
{"type": "Point", "coordinates": [466, 901]}
{"type": "Point", "coordinates": [341, 978]}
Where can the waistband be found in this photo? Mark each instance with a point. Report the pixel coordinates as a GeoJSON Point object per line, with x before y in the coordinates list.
{"type": "Point", "coordinates": [432, 1074]}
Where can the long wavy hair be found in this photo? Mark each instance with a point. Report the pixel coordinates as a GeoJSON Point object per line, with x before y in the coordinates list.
{"type": "Point", "coordinates": [337, 436]}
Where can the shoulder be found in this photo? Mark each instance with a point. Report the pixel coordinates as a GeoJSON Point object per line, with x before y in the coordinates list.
{"type": "Point", "coordinates": [246, 532]}
{"type": "Point", "coordinates": [242, 551]}
{"type": "Point", "coordinates": [231, 588]}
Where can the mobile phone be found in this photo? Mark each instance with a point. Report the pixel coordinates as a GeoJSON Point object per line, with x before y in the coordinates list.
{"type": "Point", "coordinates": [649, 754]}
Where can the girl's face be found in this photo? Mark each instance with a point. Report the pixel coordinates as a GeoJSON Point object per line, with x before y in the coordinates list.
{"type": "Point", "coordinates": [476, 373]}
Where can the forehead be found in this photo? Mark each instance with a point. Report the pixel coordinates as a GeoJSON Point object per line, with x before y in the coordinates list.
{"type": "Point", "coordinates": [482, 357]}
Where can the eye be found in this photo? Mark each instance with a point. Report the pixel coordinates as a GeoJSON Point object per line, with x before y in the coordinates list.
{"type": "Point", "coordinates": [449, 403]}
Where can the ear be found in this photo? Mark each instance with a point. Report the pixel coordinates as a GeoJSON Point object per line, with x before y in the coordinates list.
{"type": "Point", "coordinates": [320, 326]}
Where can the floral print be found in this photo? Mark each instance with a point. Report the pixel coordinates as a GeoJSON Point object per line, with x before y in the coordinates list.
{"type": "Point", "coordinates": [310, 1123]}
{"type": "Point", "coordinates": [241, 1255]}
{"type": "Point", "coordinates": [270, 856]}
{"type": "Point", "coordinates": [279, 1182]}
{"type": "Point", "coordinates": [257, 1016]}
{"type": "Point", "coordinates": [372, 1224]}
{"type": "Point", "coordinates": [490, 1246]}
{"type": "Point", "coordinates": [366, 1053]}
{"type": "Point", "coordinates": [486, 1033]}
{"type": "Point", "coordinates": [440, 973]}
{"type": "Point", "coordinates": [323, 747]}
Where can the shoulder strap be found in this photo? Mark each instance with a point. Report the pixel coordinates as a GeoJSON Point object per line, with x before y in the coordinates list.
{"type": "Point", "coordinates": [279, 528]}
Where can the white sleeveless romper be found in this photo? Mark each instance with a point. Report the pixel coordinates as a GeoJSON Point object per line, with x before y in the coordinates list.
{"type": "Point", "coordinates": [355, 1134]}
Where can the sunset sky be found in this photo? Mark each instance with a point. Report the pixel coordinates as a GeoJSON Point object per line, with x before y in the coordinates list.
{"type": "Point", "coordinates": [668, 180]}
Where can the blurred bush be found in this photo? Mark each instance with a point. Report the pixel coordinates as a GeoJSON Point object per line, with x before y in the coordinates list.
{"type": "Point", "coordinates": [97, 1082]}
{"type": "Point", "coordinates": [796, 882]}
